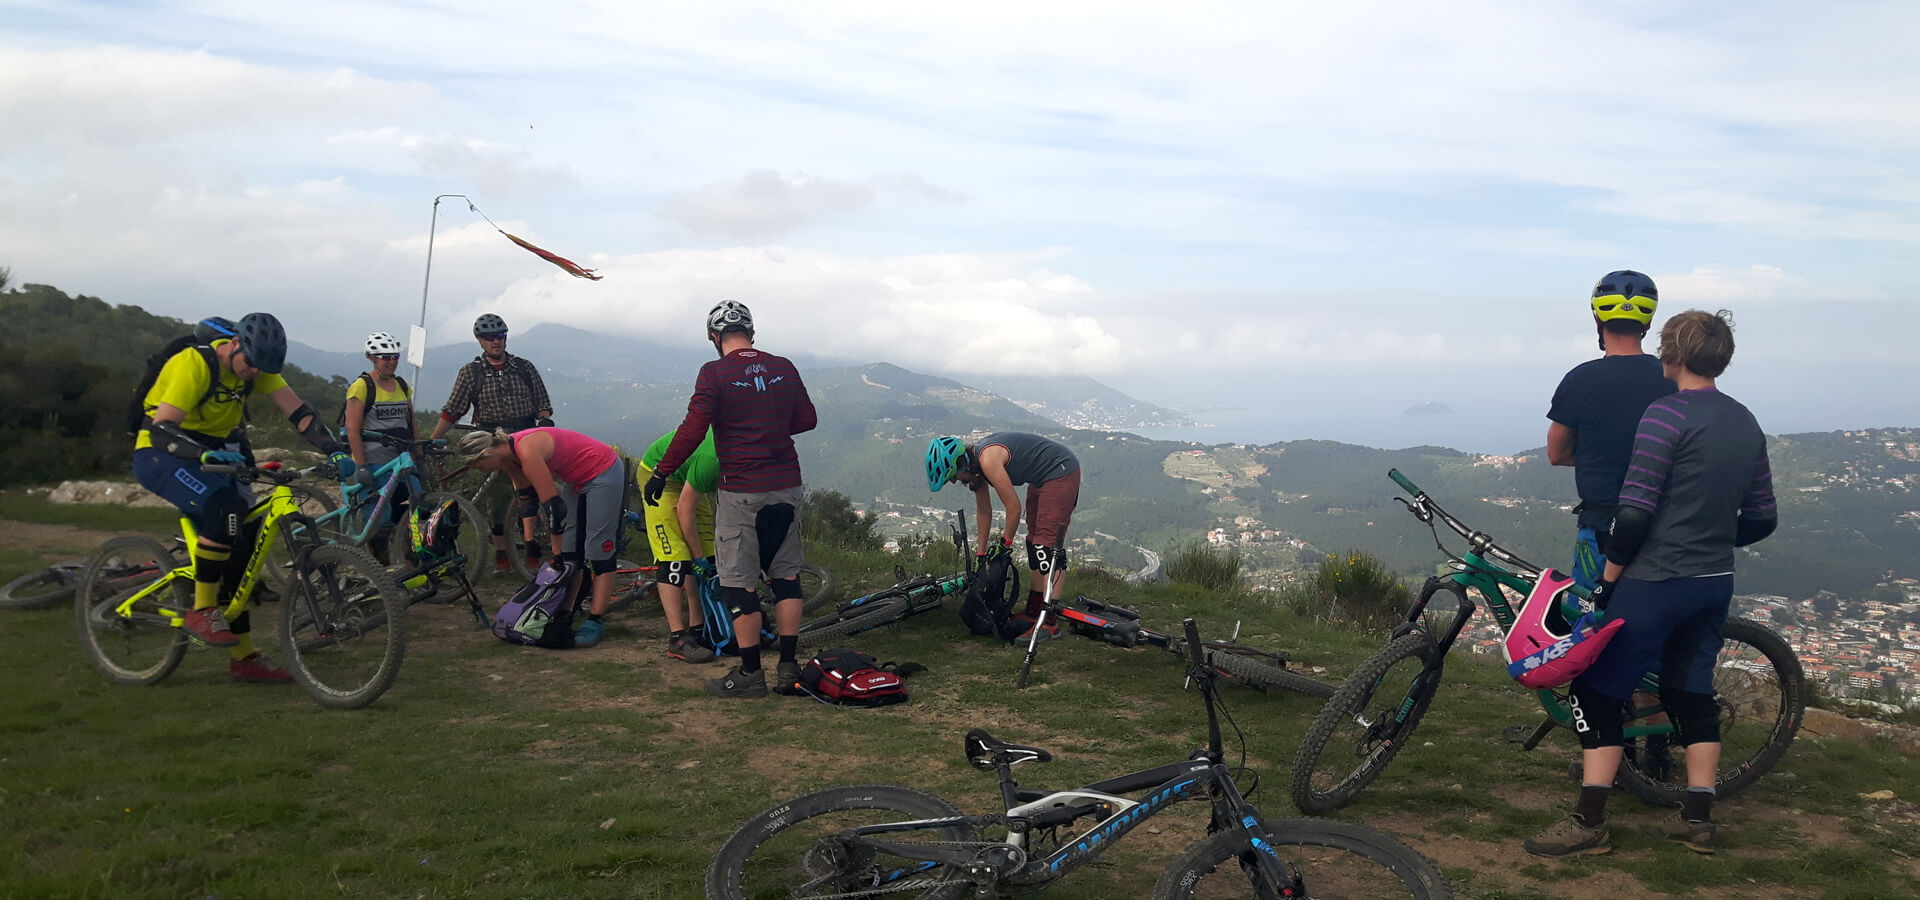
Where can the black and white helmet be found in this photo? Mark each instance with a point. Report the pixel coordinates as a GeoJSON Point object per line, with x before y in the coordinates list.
{"type": "Point", "coordinates": [488, 323]}
{"type": "Point", "coordinates": [381, 343]}
{"type": "Point", "coordinates": [729, 315]}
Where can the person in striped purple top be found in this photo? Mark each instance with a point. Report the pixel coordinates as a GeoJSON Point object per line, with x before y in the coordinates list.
{"type": "Point", "coordinates": [1698, 486]}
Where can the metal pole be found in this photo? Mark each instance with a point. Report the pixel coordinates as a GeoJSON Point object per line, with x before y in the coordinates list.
{"type": "Point", "coordinates": [427, 281]}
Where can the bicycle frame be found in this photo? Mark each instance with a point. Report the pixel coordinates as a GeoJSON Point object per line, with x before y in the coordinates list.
{"type": "Point", "coordinates": [352, 500]}
{"type": "Point", "coordinates": [277, 506]}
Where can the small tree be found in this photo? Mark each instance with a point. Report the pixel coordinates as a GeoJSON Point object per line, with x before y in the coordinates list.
{"type": "Point", "coordinates": [1205, 565]}
{"type": "Point", "coordinates": [1352, 588]}
{"type": "Point", "coordinates": [829, 518]}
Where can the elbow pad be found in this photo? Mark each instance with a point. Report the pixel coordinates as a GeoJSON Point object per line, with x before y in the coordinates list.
{"type": "Point", "coordinates": [171, 439]}
{"type": "Point", "coordinates": [315, 431]}
{"type": "Point", "coordinates": [1630, 526]}
{"type": "Point", "coordinates": [1753, 529]}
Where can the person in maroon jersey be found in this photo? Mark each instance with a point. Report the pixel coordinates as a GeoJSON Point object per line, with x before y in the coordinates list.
{"type": "Point", "coordinates": [755, 403]}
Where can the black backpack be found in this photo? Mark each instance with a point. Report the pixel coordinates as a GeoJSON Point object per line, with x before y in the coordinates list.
{"type": "Point", "coordinates": [371, 387]}
{"type": "Point", "coordinates": [990, 596]}
{"type": "Point", "coordinates": [137, 417]}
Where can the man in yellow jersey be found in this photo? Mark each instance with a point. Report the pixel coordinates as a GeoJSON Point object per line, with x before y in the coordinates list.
{"type": "Point", "coordinates": [195, 413]}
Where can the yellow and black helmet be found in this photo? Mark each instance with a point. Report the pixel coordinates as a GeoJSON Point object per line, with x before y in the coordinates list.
{"type": "Point", "coordinates": [1625, 294]}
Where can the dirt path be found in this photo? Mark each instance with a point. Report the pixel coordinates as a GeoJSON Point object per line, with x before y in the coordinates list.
{"type": "Point", "coordinates": [53, 542]}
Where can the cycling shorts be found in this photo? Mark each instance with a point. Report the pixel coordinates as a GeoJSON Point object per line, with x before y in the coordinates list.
{"type": "Point", "coordinates": [182, 483]}
{"type": "Point", "coordinates": [739, 546]}
{"type": "Point", "coordinates": [1673, 627]}
{"type": "Point", "coordinates": [1050, 509]}
{"type": "Point", "coordinates": [663, 521]}
{"type": "Point", "coordinates": [594, 511]}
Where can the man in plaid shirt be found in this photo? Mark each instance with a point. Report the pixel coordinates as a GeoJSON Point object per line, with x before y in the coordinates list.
{"type": "Point", "coordinates": [504, 392]}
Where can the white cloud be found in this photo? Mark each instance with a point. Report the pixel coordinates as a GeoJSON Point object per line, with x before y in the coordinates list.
{"type": "Point", "coordinates": [764, 204]}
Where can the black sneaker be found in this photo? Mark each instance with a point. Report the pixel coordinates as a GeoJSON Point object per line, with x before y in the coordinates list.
{"type": "Point", "coordinates": [786, 678]}
{"type": "Point", "coordinates": [687, 647]}
{"type": "Point", "coordinates": [739, 684]}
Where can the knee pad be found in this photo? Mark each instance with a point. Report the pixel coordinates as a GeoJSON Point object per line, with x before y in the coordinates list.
{"type": "Point", "coordinates": [1598, 719]}
{"type": "Point", "coordinates": [785, 588]}
{"type": "Point", "coordinates": [602, 566]}
{"type": "Point", "coordinates": [771, 523]}
{"type": "Point", "coordinates": [498, 528]}
{"type": "Point", "coordinates": [741, 601]}
{"type": "Point", "coordinates": [220, 518]}
{"type": "Point", "coordinates": [1045, 559]}
{"type": "Point", "coordinates": [1696, 717]}
{"type": "Point", "coordinates": [675, 572]}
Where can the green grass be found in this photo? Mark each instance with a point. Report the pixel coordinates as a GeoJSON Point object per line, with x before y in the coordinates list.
{"type": "Point", "coordinates": [490, 771]}
{"type": "Point", "coordinates": [20, 506]}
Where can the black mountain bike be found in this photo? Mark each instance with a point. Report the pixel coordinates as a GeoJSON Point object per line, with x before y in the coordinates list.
{"type": "Point", "coordinates": [1119, 626]}
{"type": "Point", "coordinates": [877, 840]}
{"type": "Point", "coordinates": [906, 597]}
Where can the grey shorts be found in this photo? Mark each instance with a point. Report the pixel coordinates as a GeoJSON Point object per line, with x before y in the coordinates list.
{"type": "Point", "coordinates": [744, 535]}
{"type": "Point", "coordinates": [593, 511]}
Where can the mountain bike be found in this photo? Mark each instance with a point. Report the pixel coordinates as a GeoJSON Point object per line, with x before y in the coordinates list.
{"type": "Point", "coordinates": [363, 513]}
{"type": "Point", "coordinates": [131, 626]}
{"type": "Point", "coordinates": [1758, 684]}
{"type": "Point", "coordinates": [1119, 626]}
{"type": "Point", "coordinates": [870, 840]}
{"type": "Point", "coordinates": [905, 597]}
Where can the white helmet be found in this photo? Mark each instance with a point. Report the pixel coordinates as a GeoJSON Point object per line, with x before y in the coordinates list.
{"type": "Point", "coordinates": [729, 315]}
{"type": "Point", "coordinates": [380, 343]}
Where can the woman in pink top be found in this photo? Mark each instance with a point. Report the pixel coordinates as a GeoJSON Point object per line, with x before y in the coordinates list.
{"type": "Point", "coordinates": [585, 513]}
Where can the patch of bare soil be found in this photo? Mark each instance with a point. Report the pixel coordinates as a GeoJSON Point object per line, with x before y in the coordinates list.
{"type": "Point", "coordinates": [63, 541]}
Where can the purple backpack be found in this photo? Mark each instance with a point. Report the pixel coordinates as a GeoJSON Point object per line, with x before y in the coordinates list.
{"type": "Point", "coordinates": [541, 613]}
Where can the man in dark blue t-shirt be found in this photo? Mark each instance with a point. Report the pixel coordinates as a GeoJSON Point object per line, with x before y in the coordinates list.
{"type": "Point", "coordinates": [1597, 407]}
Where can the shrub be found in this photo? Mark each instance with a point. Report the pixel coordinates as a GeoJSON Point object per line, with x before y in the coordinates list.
{"type": "Point", "coordinates": [1205, 565]}
{"type": "Point", "coordinates": [830, 519]}
{"type": "Point", "coordinates": [1351, 588]}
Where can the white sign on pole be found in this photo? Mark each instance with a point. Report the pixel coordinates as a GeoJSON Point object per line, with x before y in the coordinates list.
{"type": "Point", "coordinates": [416, 346]}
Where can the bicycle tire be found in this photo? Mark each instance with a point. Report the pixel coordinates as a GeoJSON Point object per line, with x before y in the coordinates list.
{"type": "Point", "coordinates": [98, 591]}
{"type": "Point", "coordinates": [328, 618]}
{"type": "Point", "coordinates": [1357, 697]}
{"type": "Point", "coordinates": [42, 588]}
{"type": "Point", "coordinates": [314, 504]}
{"type": "Point", "coordinates": [1395, 862]}
{"type": "Point", "coordinates": [1740, 693]}
{"type": "Point", "coordinates": [473, 540]}
{"type": "Point", "coordinates": [865, 617]}
{"type": "Point", "coordinates": [822, 593]}
{"type": "Point", "coordinates": [1250, 669]}
{"type": "Point", "coordinates": [731, 864]}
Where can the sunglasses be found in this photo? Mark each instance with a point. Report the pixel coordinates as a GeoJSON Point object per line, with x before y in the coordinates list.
{"type": "Point", "coordinates": [384, 357]}
{"type": "Point", "coordinates": [494, 337]}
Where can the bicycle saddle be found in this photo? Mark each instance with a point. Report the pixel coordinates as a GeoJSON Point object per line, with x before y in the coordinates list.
{"type": "Point", "coordinates": [987, 752]}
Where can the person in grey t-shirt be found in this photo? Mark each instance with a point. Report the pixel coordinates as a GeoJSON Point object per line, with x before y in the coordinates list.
{"type": "Point", "coordinates": [1697, 487]}
{"type": "Point", "coordinates": [998, 463]}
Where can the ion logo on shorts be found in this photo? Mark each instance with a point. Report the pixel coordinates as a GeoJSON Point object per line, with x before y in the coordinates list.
{"type": "Point", "coordinates": [193, 484]}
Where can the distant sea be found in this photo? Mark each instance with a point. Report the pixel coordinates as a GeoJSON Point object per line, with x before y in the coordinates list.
{"type": "Point", "coordinates": [1483, 432]}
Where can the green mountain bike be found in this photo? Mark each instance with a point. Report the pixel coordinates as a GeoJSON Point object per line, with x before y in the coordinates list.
{"type": "Point", "coordinates": [1757, 682]}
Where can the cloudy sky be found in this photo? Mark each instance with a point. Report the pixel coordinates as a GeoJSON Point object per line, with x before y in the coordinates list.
{"type": "Point", "coordinates": [1323, 212]}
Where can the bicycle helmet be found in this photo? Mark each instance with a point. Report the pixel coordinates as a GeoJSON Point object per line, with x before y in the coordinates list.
{"type": "Point", "coordinates": [436, 531]}
{"type": "Point", "coordinates": [1625, 294]}
{"type": "Point", "coordinates": [943, 460]}
{"type": "Point", "coordinates": [488, 323]}
{"type": "Point", "coordinates": [212, 328]}
{"type": "Point", "coordinates": [263, 341]}
{"type": "Point", "coordinates": [1538, 654]}
{"type": "Point", "coordinates": [380, 343]}
{"type": "Point", "coordinates": [729, 315]}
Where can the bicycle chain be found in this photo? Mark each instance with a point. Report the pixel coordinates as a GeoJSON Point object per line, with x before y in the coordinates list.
{"type": "Point", "coordinates": [915, 884]}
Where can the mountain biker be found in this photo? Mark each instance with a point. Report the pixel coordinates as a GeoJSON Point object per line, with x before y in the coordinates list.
{"type": "Point", "coordinates": [755, 403]}
{"type": "Point", "coordinates": [380, 401]}
{"type": "Point", "coordinates": [585, 515]}
{"type": "Point", "coordinates": [505, 393]}
{"type": "Point", "coordinates": [1596, 407]}
{"type": "Point", "coordinates": [196, 417]}
{"type": "Point", "coordinates": [1002, 461]}
{"type": "Point", "coordinates": [681, 529]}
{"type": "Point", "coordinates": [1699, 487]}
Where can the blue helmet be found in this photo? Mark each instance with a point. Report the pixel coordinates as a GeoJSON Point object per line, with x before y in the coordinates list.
{"type": "Point", "coordinates": [943, 460]}
{"type": "Point", "coordinates": [212, 328]}
{"type": "Point", "coordinates": [263, 341]}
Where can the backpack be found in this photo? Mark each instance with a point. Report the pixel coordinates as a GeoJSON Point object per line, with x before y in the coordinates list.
{"type": "Point", "coordinates": [541, 613]}
{"type": "Point", "coordinates": [717, 620]}
{"type": "Point", "coordinates": [137, 417]}
{"type": "Point", "coordinates": [371, 388]}
{"type": "Point", "coordinates": [843, 677]}
{"type": "Point", "coordinates": [989, 603]}
{"type": "Point", "coordinates": [518, 365]}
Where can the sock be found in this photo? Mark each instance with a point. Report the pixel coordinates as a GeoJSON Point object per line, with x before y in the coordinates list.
{"type": "Point", "coordinates": [677, 634]}
{"type": "Point", "coordinates": [749, 660]}
{"type": "Point", "coordinates": [1036, 601]}
{"type": "Point", "coordinates": [209, 568]}
{"type": "Point", "coordinates": [1697, 804]}
{"type": "Point", "coordinates": [243, 649]}
{"type": "Point", "coordinates": [1592, 808]}
{"type": "Point", "coordinates": [593, 617]}
{"type": "Point", "coordinates": [789, 645]}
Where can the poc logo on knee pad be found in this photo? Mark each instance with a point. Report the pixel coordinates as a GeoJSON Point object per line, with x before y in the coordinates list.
{"type": "Point", "coordinates": [1579, 715]}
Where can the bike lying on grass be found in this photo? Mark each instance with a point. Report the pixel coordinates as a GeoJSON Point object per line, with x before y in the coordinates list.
{"type": "Point", "coordinates": [1757, 683]}
{"type": "Point", "coordinates": [131, 627]}
{"type": "Point", "coordinates": [53, 585]}
{"type": "Point", "coordinates": [905, 597]}
{"type": "Point", "coordinates": [1119, 626]}
{"type": "Point", "coordinates": [873, 840]}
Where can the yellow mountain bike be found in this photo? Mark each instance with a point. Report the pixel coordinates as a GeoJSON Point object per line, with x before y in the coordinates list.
{"type": "Point", "coordinates": [342, 616]}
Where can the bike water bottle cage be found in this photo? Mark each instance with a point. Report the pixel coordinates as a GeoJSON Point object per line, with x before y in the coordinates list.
{"type": "Point", "coordinates": [986, 752]}
{"type": "Point", "coordinates": [1542, 650]}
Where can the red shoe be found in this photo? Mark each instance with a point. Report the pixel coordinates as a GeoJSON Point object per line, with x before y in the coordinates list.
{"type": "Point", "coordinates": [533, 563]}
{"type": "Point", "coordinates": [257, 669]}
{"type": "Point", "coordinates": [209, 626]}
{"type": "Point", "coordinates": [501, 564]}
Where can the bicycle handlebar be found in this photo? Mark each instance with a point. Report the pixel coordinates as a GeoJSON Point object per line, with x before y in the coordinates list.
{"type": "Point", "coordinates": [1403, 482]}
{"type": "Point", "coordinates": [1424, 509]}
{"type": "Point", "coordinates": [276, 475]}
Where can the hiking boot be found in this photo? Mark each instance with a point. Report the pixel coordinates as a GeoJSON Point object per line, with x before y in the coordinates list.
{"type": "Point", "coordinates": [1568, 837]}
{"type": "Point", "coordinates": [786, 678]}
{"type": "Point", "coordinates": [739, 684]}
{"type": "Point", "coordinates": [589, 633]}
{"type": "Point", "coordinates": [257, 669]}
{"type": "Point", "coordinates": [209, 626]}
{"type": "Point", "coordinates": [688, 648]}
{"type": "Point", "coordinates": [1700, 837]}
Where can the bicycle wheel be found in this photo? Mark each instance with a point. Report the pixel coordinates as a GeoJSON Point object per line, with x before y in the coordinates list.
{"type": "Point", "coordinates": [42, 588]}
{"type": "Point", "coordinates": [1762, 692]}
{"type": "Point", "coordinates": [791, 850]}
{"type": "Point", "coordinates": [867, 616]}
{"type": "Point", "coordinates": [472, 539]}
{"type": "Point", "coordinates": [1250, 665]}
{"type": "Point", "coordinates": [517, 547]}
{"type": "Point", "coordinates": [314, 504]}
{"type": "Point", "coordinates": [816, 585]}
{"type": "Point", "coordinates": [144, 647]}
{"type": "Point", "coordinates": [1361, 729]}
{"type": "Point", "coordinates": [1336, 860]}
{"type": "Point", "coordinates": [344, 626]}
